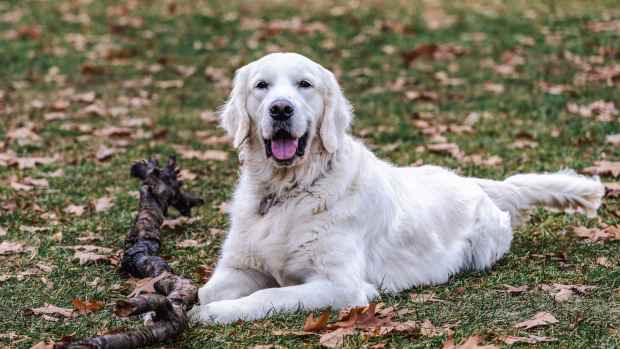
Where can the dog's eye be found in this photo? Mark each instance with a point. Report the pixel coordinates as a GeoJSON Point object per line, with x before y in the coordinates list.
{"type": "Point", "coordinates": [261, 85]}
{"type": "Point", "coordinates": [304, 84]}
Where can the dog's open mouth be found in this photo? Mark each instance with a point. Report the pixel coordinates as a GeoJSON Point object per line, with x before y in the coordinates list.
{"type": "Point", "coordinates": [283, 146]}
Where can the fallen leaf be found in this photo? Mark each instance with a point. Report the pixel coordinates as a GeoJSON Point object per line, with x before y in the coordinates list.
{"type": "Point", "coordinates": [604, 167]}
{"type": "Point", "coordinates": [313, 324]}
{"type": "Point", "coordinates": [190, 243]}
{"type": "Point", "coordinates": [10, 247]}
{"type": "Point", "coordinates": [601, 110]}
{"type": "Point", "coordinates": [515, 290]}
{"type": "Point", "coordinates": [335, 339]}
{"type": "Point", "coordinates": [77, 210]}
{"type": "Point", "coordinates": [43, 345]}
{"type": "Point", "coordinates": [605, 262]}
{"type": "Point", "coordinates": [3, 231]}
{"type": "Point", "coordinates": [612, 190]}
{"type": "Point", "coordinates": [530, 339]}
{"type": "Point", "coordinates": [49, 309]}
{"type": "Point", "coordinates": [428, 329]}
{"type": "Point", "coordinates": [85, 307]}
{"type": "Point", "coordinates": [27, 183]}
{"type": "Point", "coordinates": [562, 293]}
{"type": "Point", "coordinates": [494, 88]}
{"type": "Point", "coordinates": [104, 153]}
{"type": "Point", "coordinates": [87, 257]}
{"type": "Point", "coordinates": [103, 204]}
{"type": "Point", "coordinates": [596, 234]}
{"type": "Point", "coordinates": [613, 139]}
{"type": "Point", "coordinates": [177, 222]}
{"type": "Point", "coordinates": [425, 297]}
{"type": "Point", "coordinates": [540, 319]}
{"type": "Point", "coordinates": [147, 285]}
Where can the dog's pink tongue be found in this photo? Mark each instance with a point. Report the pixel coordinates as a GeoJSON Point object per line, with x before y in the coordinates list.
{"type": "Point", "coordinates": [283, 148]}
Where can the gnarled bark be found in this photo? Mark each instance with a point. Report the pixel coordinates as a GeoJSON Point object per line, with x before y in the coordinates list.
{"type": "Point", "coordinates": [160, 190]}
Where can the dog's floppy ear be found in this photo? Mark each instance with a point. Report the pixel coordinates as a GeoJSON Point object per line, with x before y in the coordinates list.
{"type": "Point", "coordinates": [234, 117]}
{"type": "Point", "coordinates": [337, 114]}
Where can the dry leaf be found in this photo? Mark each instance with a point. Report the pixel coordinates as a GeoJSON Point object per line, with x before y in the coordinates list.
{"type": "Point", "coordinates": [425, 297]}
{"type": "Point", "coordinates": [530, 339]}
{"type": "Point", "coordinates": [103, 204]}
{"type": "Point", "coordinates": [49, 309]}
{"type": "Point", "coordinates": [87, 257]}
{"type": "Point", "coordinates": [77, 210]}
{"type": "Point", "coordinates": [147, 285]}
{"type": "Point", "coordinates": [177, 222]}
{"type": "Point", "coordinates": [104, 153]}
{"type": "Point", "coordinates": [613, 139]}
{"type": "Point", "coordinates": [190, 243]}
{"type": "Point", "coordinates": [604, 167]}
{"type": "Point", "coordinates": [3, 231]}
{"type": "Point", "coordinates": [596, 234]}
{"type": "Point", "coordinates": [10, 247]}
{"type": "Point", "coordinates": [515, 290]}
{"type": "Point", "coordinates": [85, 307]}
{"type": "Point", "coordinates": [540, 319]}
{"type": "Point", "coordinates": [43, 345]}
{"type": "Point", "coordinates": [335, 339]}
{"type": "Point", "coordinates": [313, 324]}
{"type": "Point", "coordinates": [605, 262]}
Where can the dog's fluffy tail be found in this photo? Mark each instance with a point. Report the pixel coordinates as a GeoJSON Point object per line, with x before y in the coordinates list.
{"type": "Point", "coordinates": [562, 190]}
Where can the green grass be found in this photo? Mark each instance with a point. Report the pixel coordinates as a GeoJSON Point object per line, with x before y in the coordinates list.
{"type": "Point", "coordinates": [364, 45]}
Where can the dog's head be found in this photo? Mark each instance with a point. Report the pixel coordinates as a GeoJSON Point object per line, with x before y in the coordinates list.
{"type": "Point", "coordinates": [287, 105]}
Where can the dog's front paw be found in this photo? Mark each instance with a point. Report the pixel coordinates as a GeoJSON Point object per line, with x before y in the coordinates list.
{"type": "Point", "coordinates": [221, 312]}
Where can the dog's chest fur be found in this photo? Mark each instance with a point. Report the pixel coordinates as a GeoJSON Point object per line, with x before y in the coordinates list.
{"type": "Point", "coordinates": [279, 235]}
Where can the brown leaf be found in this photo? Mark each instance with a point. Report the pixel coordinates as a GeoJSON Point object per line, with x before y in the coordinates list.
{"type": "Point", "coordinates": [49, 309]}
{"type": "Point", "coordinates": [104, 153]}
{"type": "Point", "coordinates": [612, 190]}
{"type": "Point", "coordinates": [103, 204]}
{"type": "Point", "coordinates": [604, 167]}
{"type": "Point", "coordinates": [515, 290]}
{"type": "Point", "coordinates": [494, 88]}
{"type": "Point", "coordinates": [10, 247]}
{"type": "Point", "coordinates": [190, 243]}
{"type": "Point", "coordinates": [147, 285]}
{"type": "Point", "coordinates": [425, 297]}
{"type": "Point", "coordinates": [313, 324]}
{"type": "Point", "coordinates": [177, 222]}
{"type": "Point", "coordinates": [77, 210]}
{"type": "Point", "coordinates": [596, 234]}
{"type": "Point", "coordinates": [28, 183]}
{"type": "Point", "coordinates": [335, 339]}
{"type": "Point", "coordinates": [530, 339]}
{"type": "Point", "coordinates": [427, 329]}
{"type": "Point", "coordinates": [605, 262]}
{"type": "Point", "coordinates": [613, 139]}
{"type": "Point", "coordinates": [540, 319]}
{"type": "Point", "coordinates": [87, 257]}
{"type": "Point", "coordinates": [85, 307]}
{"type": "Point", "coordinates": [43, 345]}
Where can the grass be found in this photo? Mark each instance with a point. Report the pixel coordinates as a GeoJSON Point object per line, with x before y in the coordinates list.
{"type": "Point", "coordinates": [117, 43]}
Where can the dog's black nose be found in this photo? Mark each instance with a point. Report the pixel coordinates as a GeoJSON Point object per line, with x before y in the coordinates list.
{"type": "Point", "coordinates": [281, 110]}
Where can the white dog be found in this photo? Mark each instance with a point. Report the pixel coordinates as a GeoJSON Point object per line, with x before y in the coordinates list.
{"type": "Point", "coordinates": [318, 220]}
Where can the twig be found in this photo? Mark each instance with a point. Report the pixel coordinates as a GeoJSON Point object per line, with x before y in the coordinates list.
{"type": "Point", "coordinates": [160, 190]}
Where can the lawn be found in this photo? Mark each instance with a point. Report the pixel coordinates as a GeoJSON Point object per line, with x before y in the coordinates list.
{"type": "Point", "coordinates": [486, 88]}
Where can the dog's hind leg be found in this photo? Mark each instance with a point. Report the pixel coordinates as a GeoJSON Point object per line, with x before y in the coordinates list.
{"type": "Point", "coordinates": [490, 238]}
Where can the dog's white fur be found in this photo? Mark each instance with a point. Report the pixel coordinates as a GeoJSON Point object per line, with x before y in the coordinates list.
{"type": "Point", "coordinates": [338, 225]}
